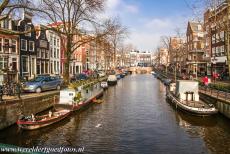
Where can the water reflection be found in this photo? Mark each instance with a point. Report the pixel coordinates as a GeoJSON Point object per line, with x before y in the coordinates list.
{"type": "Point", "coordinates": [134, 118]}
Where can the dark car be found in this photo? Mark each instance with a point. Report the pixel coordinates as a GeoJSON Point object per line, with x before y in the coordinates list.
{"type": "Point", "coordinates": [78, 77]}
{"type": "Point", "coordinates": [42, 83]}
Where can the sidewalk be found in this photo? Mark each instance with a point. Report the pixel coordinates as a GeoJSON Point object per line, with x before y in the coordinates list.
{"type": "Point", "coordinates": [26, 95]}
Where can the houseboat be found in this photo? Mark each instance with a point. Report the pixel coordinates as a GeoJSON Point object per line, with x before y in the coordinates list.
{"type": "Point", "coordinates": [184, 94]}
{"type": "Point", "coordinates": [74, 100]}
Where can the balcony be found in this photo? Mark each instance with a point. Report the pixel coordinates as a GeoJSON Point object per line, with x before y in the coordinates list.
{"type": "Point", "coordinates": [197, 51]}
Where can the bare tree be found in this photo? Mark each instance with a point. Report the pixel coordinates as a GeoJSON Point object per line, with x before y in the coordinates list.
{"type": "Point", "coordinates": [118, 34]}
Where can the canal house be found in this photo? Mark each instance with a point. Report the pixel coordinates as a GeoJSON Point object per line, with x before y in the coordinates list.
{"type": "Point", "coordinates": [28, 51]}
{"type": "Point", "coordinates": [43, 52]}
{"type": "Point", "coordinates": [9, 53]}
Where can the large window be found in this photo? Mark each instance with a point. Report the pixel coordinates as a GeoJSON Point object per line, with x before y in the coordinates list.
{"type": "Point", "coordinates": [25, 64]}
{"type": "Point", "coordinates": [58, 42]}
{"type": "Point", "coordinates": [23, 44]}
{"type": "Point", "coordinates": [31, 45]}
{"type": "Point", "coordinates": [3, 63]}
{"type": "Point", "coordinates": [14, 63]}
{"type": "Point", "coordinates": [222, 36]}
{"type": "Point", "coordinates": [14, 46]}
{"type": "Point", "coordinates": [6, 45]}
{"type": "Point", "coordinates": [47, 54]}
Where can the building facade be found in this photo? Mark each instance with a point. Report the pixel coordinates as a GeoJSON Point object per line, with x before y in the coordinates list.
{"type": "Point", "coordinates": [9, 51]}
{"type": "Point", "coordinates": [28, 50]}
{"type": "Point", "coordinates": [43, 51]}
{"type": "Point", "coordinates": [196, 61]}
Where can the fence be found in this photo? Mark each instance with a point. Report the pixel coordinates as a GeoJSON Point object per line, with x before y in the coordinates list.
{"type": "Point", "coordinates": [215, 93]}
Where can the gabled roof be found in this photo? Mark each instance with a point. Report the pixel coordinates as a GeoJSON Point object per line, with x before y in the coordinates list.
{"type": "Point", "coordinates": [195, 26]}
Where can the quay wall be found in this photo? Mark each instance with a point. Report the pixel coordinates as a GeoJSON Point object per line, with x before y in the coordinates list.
{"type": "Point", "coordinates": [222, 105]}
{"type": "Point", "coordinates": [10, 110]}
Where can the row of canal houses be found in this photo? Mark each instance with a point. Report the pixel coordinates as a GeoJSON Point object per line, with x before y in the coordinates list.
{"type": "Point", "coordinates": [39, 52]}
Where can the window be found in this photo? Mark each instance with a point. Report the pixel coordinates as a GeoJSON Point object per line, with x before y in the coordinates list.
{"type": "Point", "coordinates": [51, 52]}
{"type": "Point", "coordinates": [213, 38]}
{"type": "Point", "coordinates": [213, 51]}
{"type": "Point", "coordinates": [57, 53]}
{"type": "Point", "coordinates": [1, 45]}
{"type": "Point", "coordinates": [38, 53]}
{"type": "Point", "coordinates": [14, 63]}
{"type": "Point", "coordinates": [6, 45]}
{"type": "Point", "coordinates": [31, 45]}
{"type": "Point", "coordinates": [6, 24]}
{"type": "Point", "coordinates": [25, 64]}
{"type": "Point", "coordinates": [51, 67]}
{"type": "Point", "coordinates": [23, 44]}
{"type": "Point", "coordinates": [14, 46]}
{"type": "Point", "coordinates": [54, 41]}
{"type": "Point", "coordinates": [42, 54]}
{"type": "Point", "coordinates": [222, 36]}
{"type": "Point", "coordinates": [27, 28]}
{"type": "Point", "coordinates": [58, 42]}
{"type": "Point", "coordinates": [47, 54]}
{"type": "Point", "coordinates": [3, 63]}
{"type": "Point", "coordinates": [54, 52]}
{"type": "Point", "coordinates": [222, 50]}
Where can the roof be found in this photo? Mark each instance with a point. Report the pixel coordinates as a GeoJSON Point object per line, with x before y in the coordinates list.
{"type": "Point", "coordinates": [195, 26]}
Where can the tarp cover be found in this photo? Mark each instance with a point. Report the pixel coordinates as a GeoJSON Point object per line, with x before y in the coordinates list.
{"type": "Point", "coordinates": [183, 86]}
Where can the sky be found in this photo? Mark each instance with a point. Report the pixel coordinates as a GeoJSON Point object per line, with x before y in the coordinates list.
{"type": "Point", "coordinates": [148, 20]}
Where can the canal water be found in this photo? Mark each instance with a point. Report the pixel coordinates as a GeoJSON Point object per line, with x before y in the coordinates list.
{"type": "Point", "coordinates": [133, 119]}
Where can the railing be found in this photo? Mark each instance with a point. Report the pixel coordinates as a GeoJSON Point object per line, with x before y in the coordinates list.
{"type": "Point", "coordinates": [215, 93]}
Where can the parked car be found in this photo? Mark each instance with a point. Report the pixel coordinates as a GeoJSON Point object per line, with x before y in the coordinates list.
{"type": "Point", "coordinates": [78, 77]}
{"type": "Point", "coordinates": [42, 83]}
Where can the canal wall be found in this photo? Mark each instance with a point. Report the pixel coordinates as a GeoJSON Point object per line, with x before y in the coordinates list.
{"type": "Point", "coordinates": [10, 110]}
{"type": "Point", "coordinates": [222, 105]}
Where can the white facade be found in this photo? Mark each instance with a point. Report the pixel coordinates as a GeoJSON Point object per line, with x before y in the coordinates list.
{"type": "Point", "coordinates": [55, 52]}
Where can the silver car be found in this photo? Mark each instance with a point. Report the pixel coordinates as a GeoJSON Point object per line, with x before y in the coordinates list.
{"type": "Point", "coordinates": [42, 83]}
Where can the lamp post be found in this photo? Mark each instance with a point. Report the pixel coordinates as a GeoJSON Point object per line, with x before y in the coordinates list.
{"type": "Point", "coordinates": [214, 60]}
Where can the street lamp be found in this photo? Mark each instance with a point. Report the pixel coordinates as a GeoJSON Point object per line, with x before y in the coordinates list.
{"type": "Point", "coordinates": [214, 60]}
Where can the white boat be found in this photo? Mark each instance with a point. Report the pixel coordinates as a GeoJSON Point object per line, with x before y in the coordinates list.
{"type": "Point", "coordinates": [104, 84]}
{"type": "Point", "coordinates": [77, 99]}
{"type": "Point", "coordinates": [184, 94]}
{"type": "Point", "coordinates": [112, 80]}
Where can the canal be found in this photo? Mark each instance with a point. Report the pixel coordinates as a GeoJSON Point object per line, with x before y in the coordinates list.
{"type": "Point", "coordinates": [134, 118]}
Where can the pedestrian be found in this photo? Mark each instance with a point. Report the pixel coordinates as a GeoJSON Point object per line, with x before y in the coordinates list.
{"type": "Point", "coordinates": [205, 81]}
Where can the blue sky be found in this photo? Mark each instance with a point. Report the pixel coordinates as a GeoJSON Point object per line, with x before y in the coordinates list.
{"type": "Point", "coordinates": [147, 20]}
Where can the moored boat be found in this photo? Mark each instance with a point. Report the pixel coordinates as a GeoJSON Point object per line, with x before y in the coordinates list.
{"type": "Point", "coordinates": [104, 84]}
{"type": "Point", "coordinates": [112, 80]}
{"type": "Point", "coordinates": [34, 122]}
{"type": "Point", "coordinates": [76, 100]}
{"type": "Point", "coordinates": [184, 94]}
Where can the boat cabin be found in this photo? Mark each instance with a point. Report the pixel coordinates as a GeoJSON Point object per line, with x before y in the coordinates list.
{"type": "Point", "coordinates": [187, 90]}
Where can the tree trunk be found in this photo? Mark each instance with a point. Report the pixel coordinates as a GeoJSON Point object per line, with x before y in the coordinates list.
{"type": "Point", "coordinates": [68, 54]}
